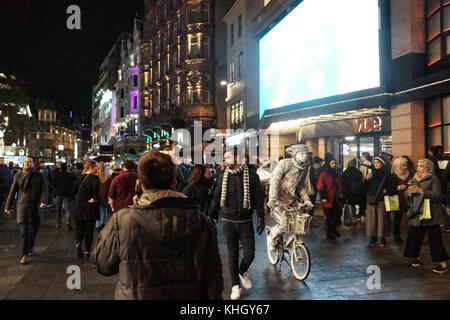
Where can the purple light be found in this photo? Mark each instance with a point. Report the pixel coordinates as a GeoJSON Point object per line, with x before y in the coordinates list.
{"type": "Point", "coordinates": [134, 69]}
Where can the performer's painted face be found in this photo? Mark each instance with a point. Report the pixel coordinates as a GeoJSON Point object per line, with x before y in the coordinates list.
{"type": "Point", "coordinates": [301, 157]}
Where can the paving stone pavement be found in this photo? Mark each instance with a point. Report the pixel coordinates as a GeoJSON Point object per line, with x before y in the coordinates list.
{"type": "Point", "coordinates": [339, 269]}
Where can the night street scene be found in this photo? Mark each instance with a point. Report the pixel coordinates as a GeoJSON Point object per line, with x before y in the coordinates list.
{"type": "Point", "coordinates": [223, 155]}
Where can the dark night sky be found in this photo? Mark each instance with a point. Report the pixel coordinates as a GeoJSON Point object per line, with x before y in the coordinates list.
{"type": "Point", "coordinates": [53, 61]}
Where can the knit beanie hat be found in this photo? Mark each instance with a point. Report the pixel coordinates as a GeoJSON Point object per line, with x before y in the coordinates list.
{"type": "Point", "coordinates": [328, 158]}
{"type": "Point", "coordinates": [380, 159]}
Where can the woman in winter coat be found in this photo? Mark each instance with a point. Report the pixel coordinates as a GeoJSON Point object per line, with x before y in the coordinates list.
{"type": "Point", "coordinates": [330, 188]}
{"type": "Point", "coordinates": [424, 186]}
{"type": "Point", "coordinates": [199, 186]}
{"type": "Point", "coordinates": [401, 176]}
{"type": "Point", "coordinates": [377, 185]}
{"type": "Point", "coordinates": [353, 182]}
{"type": "Point", "coordinates": [86, 210]}
{"type": "Point", "coordinates": [105, 181]}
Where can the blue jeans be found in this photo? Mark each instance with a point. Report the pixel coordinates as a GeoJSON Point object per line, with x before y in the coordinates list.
{"type": "Point", "coordinates": [233, 232]}
{"type": "Point", "coordinates": [63, 203]}
{"type": "Point", "coordinates": [104, 215]}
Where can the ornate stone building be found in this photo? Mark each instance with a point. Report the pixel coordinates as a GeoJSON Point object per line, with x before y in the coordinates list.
{"type": "Point", "coordinates": [179, 66]}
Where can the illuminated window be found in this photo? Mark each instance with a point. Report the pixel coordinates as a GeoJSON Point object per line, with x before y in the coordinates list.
{"type": "Point", "coordinates": [237, 115]}
{"type": "Point", "coordinates": [193, 47]}
{"type": "Point", "coordinates": [437, 30]}
{"type": "Point", "coordinates": [232, 74]}
{"type": "Point", "coordinates": [199, 97]}
{"type": "Point", "coordinates": [438, 122]}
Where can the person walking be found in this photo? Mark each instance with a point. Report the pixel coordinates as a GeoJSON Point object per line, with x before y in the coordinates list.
{"type": "Point", "coordinates": [377, 185]}
{"type": "Point", "coordinates": [5, 182]}
{"type": "Point", "coordinates": [353, 184]}
{"type": "Point", "coordinates": [238, 193]}
{"type": "Point", "coordinates": [32, 195]}
{"type": "Point", "coordinates": [199, 186]}
{"type": "Point", "coordinates": [425, 188]}
{"type": "Point", "coordinates": [162, 247]}
{"type": "Point", "coordinates": [366, 167]}
{"type": "Point", "coordinates": [330, 188]}
{"type": "Point", "coordinates": [401, 176]}
{"type": "Point", "coordinates": [86, 210]}
{"type": "Point", "coordinates": [123, 187]}
{"type": "Point", "coordinates": [63, 182]}
{"type": "Point", "coordinates": [105, 182]}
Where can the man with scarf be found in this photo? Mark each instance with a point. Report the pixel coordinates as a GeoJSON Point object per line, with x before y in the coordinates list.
{"type": "Point", "coordinates": [238, 193]}
{"type": "Point", "coordinates": [290, 186]}
{"type": "Point", "coordinates": [330, 190]}
{"type": "Point", "coordinates": [32, 194]}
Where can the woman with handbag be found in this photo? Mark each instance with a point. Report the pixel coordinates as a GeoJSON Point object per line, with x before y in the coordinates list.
{"type": "Point", "coordinates": [424, 216]}
{"type": "Point", "coordinates": [378, 184]}
{"type": "Point", "coordinates": [86, 209]}
{"type": "Point", "coordinates": [402, 175]}
{"type": "Point", "coordinates": [330, 189]}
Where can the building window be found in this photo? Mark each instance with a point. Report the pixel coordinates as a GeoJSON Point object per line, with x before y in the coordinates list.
{"type": "Point", "coordinates": [135, 105]}
{"type": "Point", "coordinates": [240, 64]}
{"type": "Point", "coordinates": [232, 33]}
{"type": "Point", "coordinates": [175, 32]}
{"type": "Point", "coordinates": [175, 97]}
{"type": "Point", "coordinates": [199, 97]}
{"type": "Point", "coordinates": [205, 47]}
{"type": "Point", "coordinates": [122, 112]}
{"type": "Point", "coordinates": [237, 115]}
{"type": "Point", "coordinates": [135, 80]}
{"type": "Point", "coordinates": [198, 13]}
{"type": "Point", "coordinates": [240, 26]}
{"type": "Point", "coordinates": [193, 47]}
{"type": "Point", "coordinates": [438, 123]}
{"type": "Point", "coordinates": [437, 30]}
{"type": "Point", "coordinates": [122, 93]}
{"type": "Point", "coordinates": [232, 74]}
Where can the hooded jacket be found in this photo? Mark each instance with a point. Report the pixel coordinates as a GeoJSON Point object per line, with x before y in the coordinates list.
{"type": "Point", "coordinates": [163, 247]}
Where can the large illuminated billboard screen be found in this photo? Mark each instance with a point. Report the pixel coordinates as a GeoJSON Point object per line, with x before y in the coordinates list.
{"type": "Point", "coordinates": [320, 49]}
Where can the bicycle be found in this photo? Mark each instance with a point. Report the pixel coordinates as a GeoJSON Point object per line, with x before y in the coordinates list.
{"type": "Point", "coordinates": [297, 225]}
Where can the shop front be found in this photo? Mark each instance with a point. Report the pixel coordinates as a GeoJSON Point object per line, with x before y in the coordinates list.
{"type": "Point", "coordinates": [348, 139]}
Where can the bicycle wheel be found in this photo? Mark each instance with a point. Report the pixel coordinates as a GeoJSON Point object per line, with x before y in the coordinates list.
{"type": "Point", "coordinates": [272, 254]}
{"type": "Point", "coordinates": [300, 260]}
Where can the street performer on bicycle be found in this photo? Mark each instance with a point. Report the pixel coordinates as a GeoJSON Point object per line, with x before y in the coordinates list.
{"type": "Point", "coordinates": [290, 187]}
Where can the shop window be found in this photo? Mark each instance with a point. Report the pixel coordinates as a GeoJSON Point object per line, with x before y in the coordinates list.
{"type": "Point", "coordinates": [438, 122]}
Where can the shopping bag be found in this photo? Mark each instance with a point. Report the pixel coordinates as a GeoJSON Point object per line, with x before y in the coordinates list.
{"type": "Point", "coordinates": [348, 221]}
{"type": "Point", "coordinates": [391, 203]}
{"type": "Point", "coordinates": [426, 215]}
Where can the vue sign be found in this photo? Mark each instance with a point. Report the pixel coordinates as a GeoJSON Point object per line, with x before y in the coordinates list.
{"type": "Point", "coordinates": [371, 124]}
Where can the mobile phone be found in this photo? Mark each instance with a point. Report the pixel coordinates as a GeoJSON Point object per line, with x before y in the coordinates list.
{"type": "Point", "coordinates": [369, 170]}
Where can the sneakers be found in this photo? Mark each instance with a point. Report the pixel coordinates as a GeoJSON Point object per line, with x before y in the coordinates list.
{"type": "Point", "coordinates": [416, 262]}
{"type": "Point", "coordinates": [80, 252]}
{"type": "Point", "coordinates": [382, 242]}
{"type": "Point", "coordinates": [235, 293]}
{"type": "Point", "coordinates": [245, 280]}
{"type": "Point", "coordinates": [24, 260]}
{"type": "Point", "coordinates": [373, 241]}
{"type": "Point", "coordinates": [336, 233]}
{"type": "Point", "coordinates": [440, 269]}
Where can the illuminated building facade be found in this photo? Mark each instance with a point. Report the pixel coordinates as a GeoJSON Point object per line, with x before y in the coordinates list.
{"type": "Point", "coordinates": [181, 66]}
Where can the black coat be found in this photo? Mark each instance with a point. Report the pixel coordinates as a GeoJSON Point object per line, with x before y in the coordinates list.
{"type": "Point", "coordinates": [5, 176]}
{"type": "Point", "coordinates": [28, 201]}
{"type": "Point", "coordinates": [86, 187]}
{"type": "Point", "coordinates": [167, 250]}
{"type": "Point", "coordinates": [63, 183]}
{"type": "Point", "coordinates": [201, 192]}
{"type": "Point", "coordinates": [233, 209]}
{"type": "Point", "coordinates": [373, 185]}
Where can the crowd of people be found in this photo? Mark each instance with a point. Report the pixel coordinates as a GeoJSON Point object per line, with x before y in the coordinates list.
{"type": "Point", "coordinates": [156, 220]}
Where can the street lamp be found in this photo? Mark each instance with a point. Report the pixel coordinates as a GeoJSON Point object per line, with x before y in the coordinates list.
{"type": "Point", "coordinates": [223, 83]}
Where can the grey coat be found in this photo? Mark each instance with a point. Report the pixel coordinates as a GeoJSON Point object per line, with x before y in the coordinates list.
{"type": "Point", "coordinates": [431, 190]}
{"type": "Point", "coordinates": [28, 201]}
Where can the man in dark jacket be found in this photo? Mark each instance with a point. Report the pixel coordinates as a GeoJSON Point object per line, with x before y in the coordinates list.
{"type": "Point", "coordinates": [5, 181]}
{"type": "Point", "coordinates": [123, 187]}
{"type": "Point", "coordinates": [163, 247]}
{"type": "Point", "coordinates": [63, 185]}
{"type": "Point", "coordinates": [32, 191]}
{"type": "Point", "coordinates": [237, 195]}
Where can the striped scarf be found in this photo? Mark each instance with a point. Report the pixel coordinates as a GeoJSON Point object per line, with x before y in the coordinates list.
{"type": "Point", "coordinates": [247, 204]}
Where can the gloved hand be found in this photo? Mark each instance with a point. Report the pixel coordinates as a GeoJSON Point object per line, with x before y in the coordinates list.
{"type": "Point", "coordinates": [261, 226]}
